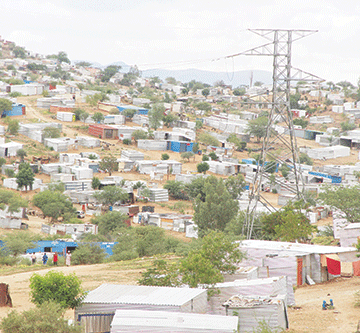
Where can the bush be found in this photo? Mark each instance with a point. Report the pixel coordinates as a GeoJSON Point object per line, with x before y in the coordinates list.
{"type": "Point", "coordinates": [165, 157]}
{"type": "Point", "coordinates": [208, 140]}
{"type": "Point", "coordinates": [64, 290]}
{"type": "Point", "coordinates": [10, 173]}
{"type": "Point", "coordinates": [274, 190]}
{"type": "Point", "coordinates": [48, 317]}
{"type": "Point", "coordinates": [213, 156]}
{"type": "Point", "coordinates": [127, 141]}
{"type": "Point", "coordinates": [176, 190]}
{"type": "Point", "coordinates": [202, 167]}
{"type": "Point", "coordinates": [88, 254]}
{"type": "Point", "coordinates": [205, 158]}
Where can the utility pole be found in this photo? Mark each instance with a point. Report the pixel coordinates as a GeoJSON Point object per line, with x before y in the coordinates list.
{"type": "Point", "coordinates": [279, 47]}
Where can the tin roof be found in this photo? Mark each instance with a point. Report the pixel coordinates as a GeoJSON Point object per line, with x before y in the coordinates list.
{"type": "Point", "coordinates": [177, 321]}
{"type": "Point", "coordinates": [127, 294]}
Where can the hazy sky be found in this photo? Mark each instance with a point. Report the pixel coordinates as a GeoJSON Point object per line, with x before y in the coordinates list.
{"type": "Point", "coordinates": [166, 32]}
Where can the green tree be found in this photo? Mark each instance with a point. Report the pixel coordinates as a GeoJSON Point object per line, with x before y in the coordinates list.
{"type": "Point", "coordinates": [18, 243]}
{"type": "Point", "coordinates": [239, 92]}
{"type": "Point", "coordinates": [169, 119]}
{"type": "Point", "coordinates": [98, 117]}
{"type": "Point", "coordinates": [12, 200]}
{"type": "Point", "coordinates": [21, 153]}
{"type": "Point", "coordinates": [156, 114]}
{"type": "Point", "coordinates": [78, 112]}
{"type": "Point", "coordinates": [165, 157]}
{"type": "Point", "coordinates": [187, 155]}
{"type": "Point", "coordinates": [56, 186]}
{"type": "Point", "coordinates": [235, 185]}
{"type": "Point", "coordinates": [19, 52]}
{"type": "Point", "coordinates": [347, 126]}
{"type": "Point", "coordinates": [202, 167]}
{"type": "Point", "coordinates": [108, 164]}
{"type": "Point", "coordinates": [205, 92]}
{"type": "Point", "coordinates": [51, 132]}
{"type": "Point", "coordinates": [83, 64]}
{"type": "Point", "coordinates": [257, 127]}
{"type": "Point", "coordinates": [209, 214]}
{"type": "Point", "coordinates": [109, 72]}
{"type": "Point", "coordinates": [110, 222]}
{"type": "Point", "coordinates": [54, 204]}
{"type": "Point", "coordinates": [47, 318]}
{"type": "Point", "coordinates": [176, 190]}
{"type": "Point", "coordinates": [83, 116]}
{"type": "Point", "coordinates": [161, 274]}
{"type": "Point", "coordinates": [25, 177]}
{"type": "Point", "coordinates": [203, 106]}
{"type": "Point", "coordinates": [196, 188]}
{"type": "Point", "coordinates": [62, 57]}
{"type": "Point", "coordinates": [110, 195]}
{"type": "Point", "coordinates": [301, 122]}
{"type": "Point", "coordinates": [213, 156]}
{"type": "Point", "coordinates": [345, 199]}
{"type": "Point", "coordinates": [129, 113]}
{"type": "Point", "coordinates": [5, 105]}
{"type": "Point", "coordinates": [62, 289]}
{"type": "Point", "coordinates": [88, 254]}
{"type": "Point", "coordinates": [304, 158]}
{"type": "Point", "coordinates": [139, 135]}
{"type": "Point", "coordinates": [205, 158]}
{"type": "Point", "coordinates": [208, 140]}
{"type": "Point", "coordinates": [13, 126]}
{"type": "Point", "coordinates": [95, 183]}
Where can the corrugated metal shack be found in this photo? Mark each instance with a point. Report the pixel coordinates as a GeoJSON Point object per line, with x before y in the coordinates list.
{"type": "Point", "coordinates": [159, 166]}
{"type": "Point", "coordinates": [180, 146]}
{"type": "Point", "coordinates": [133, 155]}
{"type": "Point", "coordinates": [87, 141]}
{"type": "Point", "coordinates": [159, 195]}
{"type": "Point", "coordinates": [35, 131]}
{"type": "Point", "coordinates": [169, 322]}
{"type": "Point", "coordinates": [152, 144]}
{"type": "Point", "coordinates": [176, 222]}
{"type": "Point", "coordinates": [9, 149]}
{"type": "Point", "coordinates": [16, 110]}
{"type": "Point", "coordinates": [103, 131]}
{"type": "Point", "coordinates": [65, 116]}
{"type": "Point", "coordinates": [295, 260]}
{"type": "Point", "coordinates": [252, 310]}
{"type": "Point", "coordinates": [71, 229]}
{"type": "Point", "coordinates": [258, 287]}
{"type": "Point", "coordinates": [59, 144]}
{"type": "Point", "coordinates": [102, 302]}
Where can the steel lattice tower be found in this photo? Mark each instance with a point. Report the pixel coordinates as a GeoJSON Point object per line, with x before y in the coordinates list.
{"type": "Point", "coordinates": [279, 48]}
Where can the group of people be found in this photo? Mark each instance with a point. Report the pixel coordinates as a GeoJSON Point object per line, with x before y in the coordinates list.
{"type": "Point", "coordinates": [45, 258]}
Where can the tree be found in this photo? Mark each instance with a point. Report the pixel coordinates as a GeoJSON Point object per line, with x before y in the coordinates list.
{"type": "Point", "coordinates": [88, 254]}
{"type": "Point", "coordinates": [204, 106]}
{"type": "Point", "coordinates": [21, 153]}
{"type": "Point", "coordinates": [62, 57]}
{"type": "Point", "coordinates": [78, 112]}
{"type": "Point", "coordinates": [209, 214]}
{"type": "Point", "coordinates": [165, 157]}
{"type": "Point", "coordinates": [12, 200]}
{"type": "Point", "coordinates": [171, 80]}
{"type": "Point", "coordinates": [47, 318]}
{"type": "Point", "coordinates": [235, 185]}
{"type": "Point", "coordinates": [129, 113]}
{"type": "Point", "coordinates": [205, 158]}
{"type": "Point", "coordinates": [25, 177]}
{"type": "Point", "coordinates": [161, 274]}
{"type": "Point", "coordinates": [345, 199]}
{"type": "Point", "coordinates": [64, 290]}
{"type": "Point", "coordinates": [208, 140]}
{"type": "Point", "coordinates": [169, 119]}
{"type": "Point", "coordinates": [56, 186]}
{"type": "Point", "coordinates": [13, 126]}
{"type": "Point", "coordinates": [202, 167]}
{"type": "Point", "coordinates": [205, 92]}
{"type": "Point", "coordinates": [110, 222]}
{"type": "Point", "coordinates": [347, 126]}
{"type": "Point", "coordinates": [98, 117]}
{"type": "Point", "coordinates": [83, 116]}
{"type": "Point", "coordinates": [110, 195]}
{"type": "Point", "coordinates": [5, 105]}
{"type": "Point", "coordinates": [156, 114]}
{"type": "Point", "coordinates": [83, 64]}
{"type": "Point", "coordinates": [304, 158]}
{"type": "Point", "coordinates": [109, 72]}
{"type": "Point", "coordinates": [258, 84]}
{"type": "Point", "coordinates": [19, 52]}
{"type": "Point", "coordinates": [288, 224]}
{"type": "Point", "coordinates": [187, 155]}
{"type": "Point", "coordinates": [176, 190]}
{"type": "Point", "coordinates": [95, 183]}
{"type": "Point", "coordinates": [257, 127]}
{"type": "Point", "coordinates": [139, 135]}
{"type": "Point", "coordinates": [196, 188]}
{"type": "Point", "coordinates": [51, 132]}
{"type": "Point", "coordinates": [213, 156]}
{"type": "Point", "coordinates": [239, 92]}
{"type": "Point", "coordinates": [301, 122]}
{"type": "Point", "coordinates": [54, 204]}
{"type": "Point", "coordinates": [18, 243]}
{"type": "Point", "coordinates": [108, 164]}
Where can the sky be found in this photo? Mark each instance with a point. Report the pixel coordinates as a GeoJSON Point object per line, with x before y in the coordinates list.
{"type": "Point", "coordinates": [181, 34]}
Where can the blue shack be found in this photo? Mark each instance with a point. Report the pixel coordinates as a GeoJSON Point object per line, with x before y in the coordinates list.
{"type": "Point", "coordinates": [180, 146]}
{"type": "Point", "coordinates": [17, 110]}
{"type": "Point", "coordinates": [62, 246]}
{"type": "Point", "coordinates": [138, 110]}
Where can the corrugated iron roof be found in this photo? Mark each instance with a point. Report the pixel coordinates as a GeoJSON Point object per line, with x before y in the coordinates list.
{"type": "Point", "coordinates": [175, 320]}
{"type": "Point", "coordinates": [127, 294]}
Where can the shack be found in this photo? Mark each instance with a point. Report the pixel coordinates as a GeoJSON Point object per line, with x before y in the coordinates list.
{"type": "Point", "coordinates": [99, 306]}
{"type": "Point", "coordinates": [9, 149]}
{"type": "Point", "coordinates": [168, 322]}
{"type": "Point", "coordinates": [103, 131]}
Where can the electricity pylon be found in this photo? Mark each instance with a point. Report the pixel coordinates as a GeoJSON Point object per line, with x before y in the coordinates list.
{"type": "Point", "coordinates": [279, 48]}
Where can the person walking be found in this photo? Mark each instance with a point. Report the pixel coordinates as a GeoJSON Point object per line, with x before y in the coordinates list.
{"type": "Point", "coordinates": [45, 259]}
{"type": "Point", "coordinates": [33, 258]}
{"type": "Point", "coordinates": [68, 259]}
{"type": "Point", "coordinates": [55, 259]}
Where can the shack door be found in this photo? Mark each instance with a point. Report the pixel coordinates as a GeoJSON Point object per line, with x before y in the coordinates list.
{"type": "Point", "coordinates": [299, 271]}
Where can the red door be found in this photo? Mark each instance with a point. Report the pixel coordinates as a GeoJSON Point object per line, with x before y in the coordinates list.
{"type": "Point", "coordinates": [299, 271]}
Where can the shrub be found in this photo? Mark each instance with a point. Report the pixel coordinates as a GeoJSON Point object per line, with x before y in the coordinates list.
{"type": "Point", "coordinates": [127, 141]}
{"type": "Point", "coordinates": [205, 158]}
{"type": "Point", "coordinates": [88, 254]}
{"type": "Point", "coordinates": [213, 156]}
{"type": "Point", "coordinates": [202, 167]}
{"type": "Point", "coordinates": [165, 157]}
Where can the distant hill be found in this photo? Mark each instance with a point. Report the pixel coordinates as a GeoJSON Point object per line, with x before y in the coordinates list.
{"type": "Point", "coordinates": [186, 75]}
